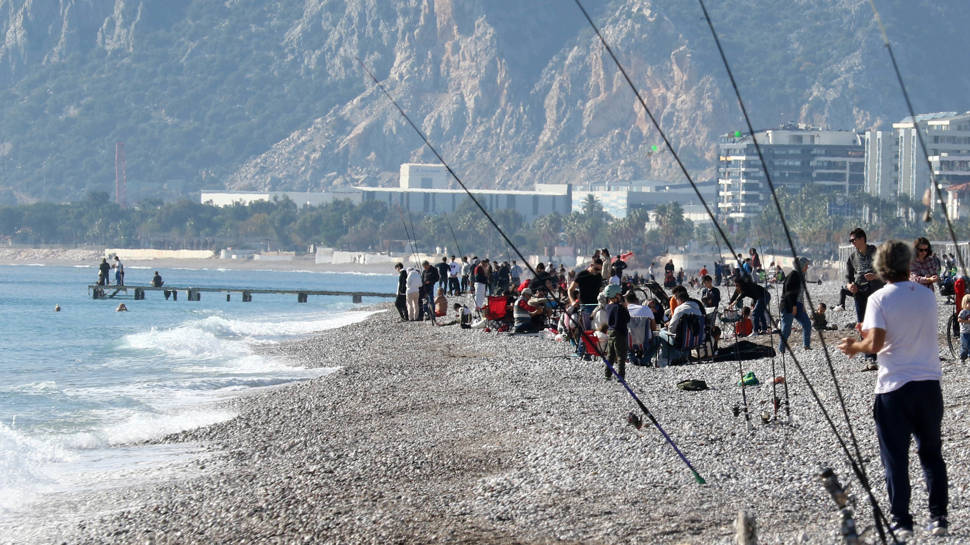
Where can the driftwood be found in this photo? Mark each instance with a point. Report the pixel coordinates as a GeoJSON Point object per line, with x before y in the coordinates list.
{"type": "Point", "coordinates": [746, 529]}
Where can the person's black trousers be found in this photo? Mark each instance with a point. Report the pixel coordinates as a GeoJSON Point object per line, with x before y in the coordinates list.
{"type": "Point", "coordinates": [914, 409]}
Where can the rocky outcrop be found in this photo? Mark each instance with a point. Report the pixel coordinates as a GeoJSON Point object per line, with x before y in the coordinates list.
{"type": "Point", "coordinates": [253, 95]}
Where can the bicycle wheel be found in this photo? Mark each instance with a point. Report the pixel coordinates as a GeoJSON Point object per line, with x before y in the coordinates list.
{"type": "Point", "coordinates": [953, 336]}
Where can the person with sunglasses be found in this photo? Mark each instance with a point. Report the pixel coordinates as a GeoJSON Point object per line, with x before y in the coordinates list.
{"type": "Point", "coordinates": [862, 281]}
{"type": "Point", "coordinates": [925, 269]}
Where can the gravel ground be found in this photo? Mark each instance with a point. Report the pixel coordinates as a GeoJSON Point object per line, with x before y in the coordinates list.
{"type": "Point", "coordinates": [441, 435]}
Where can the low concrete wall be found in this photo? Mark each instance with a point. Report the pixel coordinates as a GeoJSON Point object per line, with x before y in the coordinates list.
{"type": "Point", "coordinates": [144, 254]}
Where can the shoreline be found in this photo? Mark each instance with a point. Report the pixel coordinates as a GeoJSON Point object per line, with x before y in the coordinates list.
{"type": "Point", "coordinates": [441, 435]}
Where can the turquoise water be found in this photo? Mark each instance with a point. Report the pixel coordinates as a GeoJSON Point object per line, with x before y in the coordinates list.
{"type": "Point", "coordinates": [87, 382]}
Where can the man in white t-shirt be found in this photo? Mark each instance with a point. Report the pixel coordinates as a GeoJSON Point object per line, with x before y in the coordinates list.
{"type": "Point", "coordinates": [900, 327]}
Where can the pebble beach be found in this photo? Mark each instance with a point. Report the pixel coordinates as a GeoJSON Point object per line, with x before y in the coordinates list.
{"type": "Point", "coordinates": [443, 435]}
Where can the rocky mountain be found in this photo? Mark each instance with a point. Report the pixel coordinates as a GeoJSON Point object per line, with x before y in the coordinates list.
{"type": "Point", "coordinates": [246, 94]}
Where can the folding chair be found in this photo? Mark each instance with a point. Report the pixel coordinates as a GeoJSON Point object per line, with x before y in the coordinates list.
{"type": "Point", "coordinates": [639, 335]}
{"type": "Point", "coordinates": [689, 335]}
{"type": "Point", "coordinates": [495, 311]}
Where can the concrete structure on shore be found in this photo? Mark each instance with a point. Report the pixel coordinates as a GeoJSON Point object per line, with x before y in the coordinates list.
{"type": "Point", "coordinates": [300, 198]}
{"type": "Point", "coordinates": [620, 198]}
{"type": "Point", "coordinates": [796, 156]}
{"type": "Point", "coordinates": [427, 189]}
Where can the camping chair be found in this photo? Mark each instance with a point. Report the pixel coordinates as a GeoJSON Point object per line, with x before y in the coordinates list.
{"type": "Point", "coordinates": [659, 294]}
{"type": "Point", "coordinates": [689, 335]}
{"type": "Point", "coordinates": [638, 340]}
{"type": "Point", "coordinates": [495, 311]}
{"type": "Point", "coordinates": [710, 340]}
{"type": "Point", "coordinates": [589, 346]}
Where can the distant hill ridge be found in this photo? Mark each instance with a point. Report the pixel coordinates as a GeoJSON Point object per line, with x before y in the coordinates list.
{"type": "Point", "coordinates": [246, 94]}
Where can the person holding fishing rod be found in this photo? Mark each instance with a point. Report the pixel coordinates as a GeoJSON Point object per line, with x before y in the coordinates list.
{"type": "Point", "coordinates": [900, 327]}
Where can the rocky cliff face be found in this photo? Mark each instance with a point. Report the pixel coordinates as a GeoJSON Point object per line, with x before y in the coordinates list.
{"type": "Point", "coordinates": [247, 94]}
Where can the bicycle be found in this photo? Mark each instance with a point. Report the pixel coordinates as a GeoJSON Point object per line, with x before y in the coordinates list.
{"type": "Point", "coordinates": [952, 333]}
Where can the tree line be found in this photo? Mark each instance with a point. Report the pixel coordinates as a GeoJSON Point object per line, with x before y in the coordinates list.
{"type": "Point", "coordinates": [819, 222]}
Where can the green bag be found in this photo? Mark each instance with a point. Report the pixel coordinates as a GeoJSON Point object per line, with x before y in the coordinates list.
{"type": "Point", "coordinates": [692, 385]}
{"type": "Point", "coordinates": [749, 379]}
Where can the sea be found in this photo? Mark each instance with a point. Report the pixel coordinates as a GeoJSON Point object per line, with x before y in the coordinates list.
{"type": "Point", "coordinates": [84, 388]}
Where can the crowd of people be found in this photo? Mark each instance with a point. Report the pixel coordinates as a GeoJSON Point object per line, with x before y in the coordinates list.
{"type": "Point", "coordinates": [624, 317]}
{"type": "Point", "coordinates": [619, 309]}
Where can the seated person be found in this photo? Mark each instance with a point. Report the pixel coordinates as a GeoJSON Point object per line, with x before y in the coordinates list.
{"type": "Point", "coordinates": [744, 326]}
{"type": "Point", "coordinates": [667, 336]}
{"type": "Point", "coordinates": [157, 280]}
{"type": "Point", "coordinates": [440, 304]}
{"type": "Point", "coordinates": [602, 338]}
{"type": "Point", "coordinates": [529, 318]}
{"type": "Point", "coordinates": [463, 315]}
{"type": "Point", "coordinates": [710, 296]}
{"type": "Point", "coordinates": [598, 315]}
{"type": "Point", "coordinates": [641, 335]}
{"type": "Point", "coordinates": [818, 319]}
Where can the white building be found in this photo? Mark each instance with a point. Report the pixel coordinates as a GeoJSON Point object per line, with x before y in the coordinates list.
{"type": "Point", "coordinates": [958, 201]}
{"type": "Point", "coordinates": [881, 156]}
{"type": "Point", "coordinates": [947, 138]}
{"type": "Point", "coordinates": [795, 155]}
{"type": "Point", "coordinates": [301, 199]}
{"type": "Point", "coordinates": [427, 189]}
{"type": "Point", "coordinates": [619, 198]}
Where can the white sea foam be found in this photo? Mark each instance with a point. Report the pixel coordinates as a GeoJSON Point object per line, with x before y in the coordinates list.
{"type": "Point", "coordinates": [141, 427]}
{"type": "Point", "coordinates": [228, 339]}
{"type": "Point", "coordinates": [21, 464]}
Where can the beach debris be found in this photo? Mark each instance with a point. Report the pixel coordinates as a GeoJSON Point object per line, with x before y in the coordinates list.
{"type": "Point", "coordinates": [746, 531]}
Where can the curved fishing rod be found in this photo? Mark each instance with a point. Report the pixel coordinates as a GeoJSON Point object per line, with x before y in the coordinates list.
{"type": "Point", "coordinates": [414, 254]}
{"type": "Point", "coordinates": [457, 245]}
{"type": "Point", "coordinates": [922, 142]}
{"type": "Point", "coordinates": [622, 380]}
{"type": "Point", "coordinates": [860, 474]}
{"type": "Point", "coordinates": [673, 153]}
{"type": "Point", "coordinates": [857, 462]}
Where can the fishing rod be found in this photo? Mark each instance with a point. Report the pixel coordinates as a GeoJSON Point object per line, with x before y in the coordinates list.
{"type": "Point", "coordinates": [922, 142]}
{"type": "Point", "coordinates": [857, 462]}
{"type": "Point", "coordinates": [716, 224]}
{"type": "Point", "coordinates": [414, 254]}
{"type": "Point", "coordinates": [621, 379]}
{"type": "Point", "coordinates": [673, 153]}
{"type": "Point", "coordinates": [450, 228]}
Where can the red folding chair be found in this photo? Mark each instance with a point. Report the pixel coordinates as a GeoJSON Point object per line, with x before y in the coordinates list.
{"type": "Point", "coordinates": [496, 309]}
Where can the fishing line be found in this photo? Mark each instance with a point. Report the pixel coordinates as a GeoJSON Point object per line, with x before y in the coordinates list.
{"type": "Point", "coordinates": [674, 154]}
{"type": "Point", "coordinates": [450, 228]}
{"type": "Point", "coordinates": [919, 136]}
{"type": "Point", "coordinates": [857, 463]}
{"type": "Point", "coordinates": [655, 123]}
{"type": "Point", "coordinates": [622, 380]}
{"type": "Point", "coordinates": [410, 241]}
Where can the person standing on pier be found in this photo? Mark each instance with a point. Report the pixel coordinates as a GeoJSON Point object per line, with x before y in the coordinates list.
{"type": "Point", "coordinates": [103, 271]}
{"type": "Point", "coordinates": [119, 272]}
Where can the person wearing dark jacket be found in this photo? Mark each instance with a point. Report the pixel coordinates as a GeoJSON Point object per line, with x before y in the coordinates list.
{"type": "Point", "coordinates": [428, 280]}
{"type": "Point", "coordinates": [443, 269]}
{"type": "Point", "coordinates": [745, 286]}
{"type": "Point", "coordinates": [862, 280]}
{"type": "Point", "coordinates": [793, 305]}
{"type": "Point", "coordinates": [402, 289]}
{"type": "Point", "coordinates": [103, 270]}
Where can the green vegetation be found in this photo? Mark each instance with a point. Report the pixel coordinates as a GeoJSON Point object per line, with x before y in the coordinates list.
{"type": "Point", "coordinates": [819, 224]}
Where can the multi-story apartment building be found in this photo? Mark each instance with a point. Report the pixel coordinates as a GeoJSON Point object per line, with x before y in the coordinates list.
{"type": "Point", "coordinates": [947, 137]}
{"type": "Point", "coordinates": [795, 156]}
